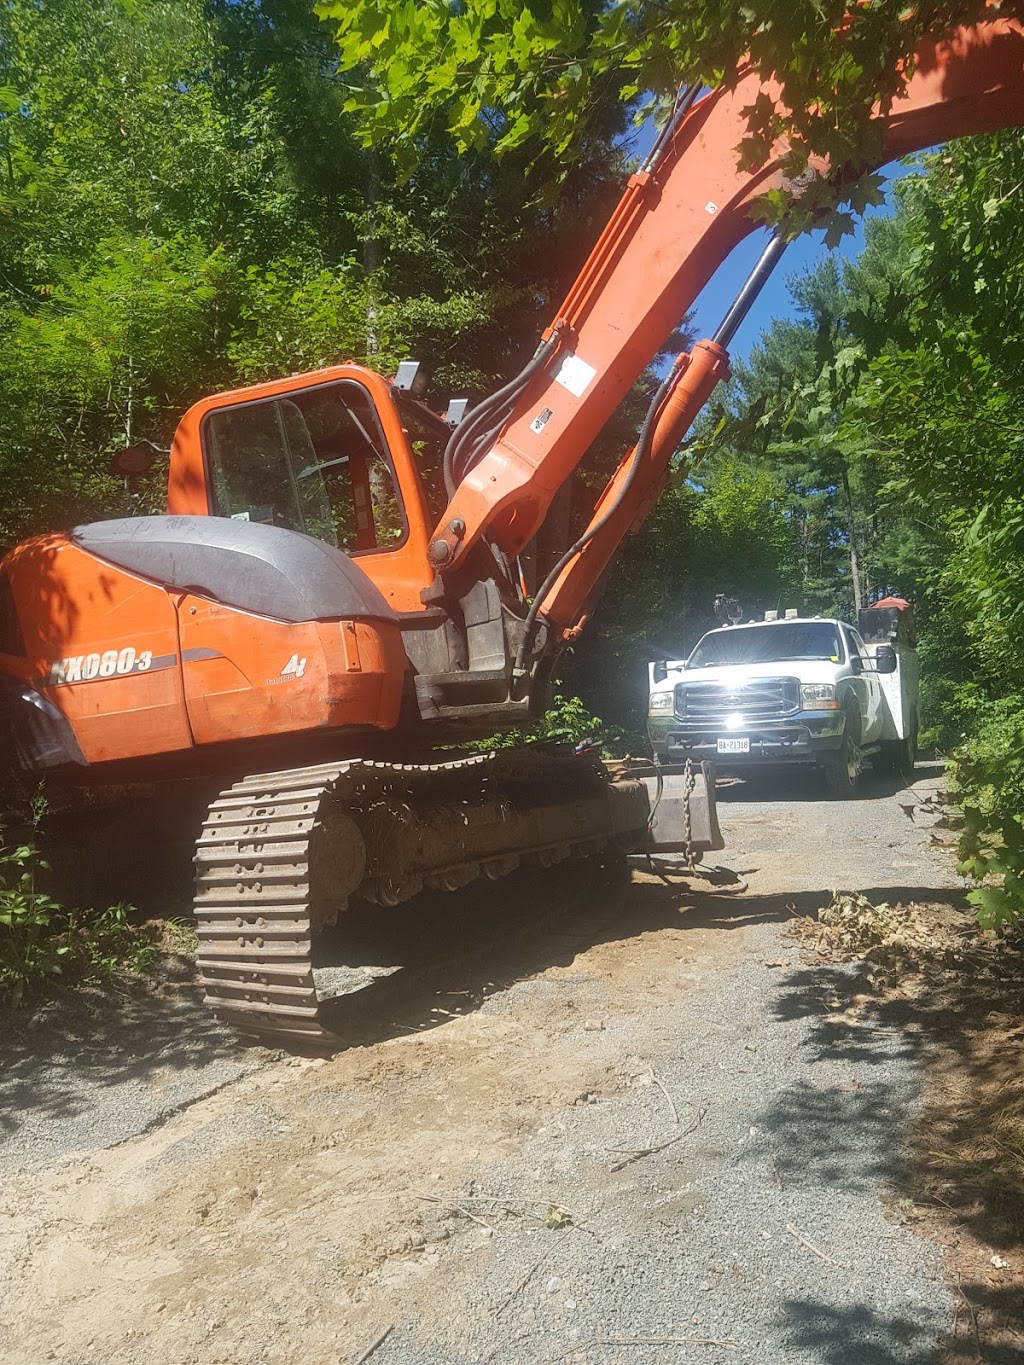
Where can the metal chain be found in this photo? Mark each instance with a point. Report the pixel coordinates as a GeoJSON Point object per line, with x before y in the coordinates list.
{"type": "Point", "coordinates": [689, 783]}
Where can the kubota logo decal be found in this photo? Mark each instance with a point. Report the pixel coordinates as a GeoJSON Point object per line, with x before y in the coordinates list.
{"type": "Point", "coordinates": [111, 664]}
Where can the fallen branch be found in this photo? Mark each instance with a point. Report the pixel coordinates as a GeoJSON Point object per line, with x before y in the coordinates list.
{"type": "Point", "coordinates": [973, 1316]}
{"type": "Point", "coordinates": [524, 1208]}
{"type": "Point", "coordinates": [671, 1105]}
{"type": "Point", "coordinates": [522, 1283]}
{"type": "Point", "coordinates": [811, 1247]}
{"type": "Point", "coordinates": [631, 1154]}
{"type": "Point", "coordinates": [730, 1343]}
{"type": "Point", "coordinates": [638, 1153]}
{"type": "Point", "coordinates": [374, 1344]}
{"type": "Point", "coordinates": [457, 1208]}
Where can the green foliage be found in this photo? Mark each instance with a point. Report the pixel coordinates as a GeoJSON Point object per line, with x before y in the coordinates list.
{"type": "Point", "coordinates": [503, 74]}
{"type": "Point", "coordinates": [185, 208]}
{"type": "Point", "coordinates": [44, 948]}
{"type": "Point", "coordinates": [182, 936]}
{"type": "Point", "coordinates": [894, 410]}
{"type": "Point", "coordinates": [988, 777]}
{"type": "Point", "coordinates": [566, 721]}
{"type": "Point", "coordinates": [111, 944]}
{"type": "Point", "coordinates": [31, 954]}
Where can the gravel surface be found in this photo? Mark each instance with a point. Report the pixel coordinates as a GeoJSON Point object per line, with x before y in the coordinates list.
{"type": "Point", "coordinates": [78, 1081]}
{"type": "Point", "coordinates": [753, 1228]}
{"type": "Point", "coordinates": [674, 1145]}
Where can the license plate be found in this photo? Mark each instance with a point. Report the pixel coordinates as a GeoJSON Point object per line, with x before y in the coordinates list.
{"type": "Point", "coordinates": [734, 746]}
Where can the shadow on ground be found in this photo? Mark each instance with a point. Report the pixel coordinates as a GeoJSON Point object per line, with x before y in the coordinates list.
{"type": "Point", "coordinates": [803, 784]}
{"type": "Point", "coordinates": [456, 950]}
{"type": "Point", "coordinates": [956, 1169]}
{"type": "Point", "coordinates": [854, 1336]}
{"type": "Point", "coordinates": [447, 953]}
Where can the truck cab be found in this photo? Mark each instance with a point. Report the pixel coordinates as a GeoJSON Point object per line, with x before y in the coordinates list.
{"type": "Point", "coordinates": [800, 690]}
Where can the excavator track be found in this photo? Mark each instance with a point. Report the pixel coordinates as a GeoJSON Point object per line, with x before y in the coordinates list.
{"type": "Point", "coordinates": [281, 853]}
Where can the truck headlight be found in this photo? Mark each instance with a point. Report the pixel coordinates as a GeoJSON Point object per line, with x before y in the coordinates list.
{"type": "Point", "coordinates": [660, 704]}
{"type": "Point", "coordinates": [819, 697]}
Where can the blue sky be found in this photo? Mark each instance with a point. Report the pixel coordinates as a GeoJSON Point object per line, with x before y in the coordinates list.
{"type": "Point", "coordinates": [774, 300]}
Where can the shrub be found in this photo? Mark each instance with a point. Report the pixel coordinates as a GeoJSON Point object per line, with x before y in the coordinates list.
{"type": "Point", "coordinates": [988, 779]}
{"type": "Point", "coordinates": [568, 721]}
{"type": "Point", "coordinates": [31, 953]}
{"type": "Point", "coordinates": [44, 947]}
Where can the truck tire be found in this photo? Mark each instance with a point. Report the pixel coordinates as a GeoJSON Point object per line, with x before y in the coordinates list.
{"type": "Point", "coordinates": [898, 756]}
{"type": "Point", "coordinates": [840, 770]}
{"type": "Point", "coordinates": [906, 751]}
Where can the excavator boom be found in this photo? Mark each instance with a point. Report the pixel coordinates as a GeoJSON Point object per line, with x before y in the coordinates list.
{"type": "Point", "coordinates": [678, 220]}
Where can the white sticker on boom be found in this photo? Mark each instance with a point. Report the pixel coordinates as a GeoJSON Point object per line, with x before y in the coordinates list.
{"type": "Point", "coordinates": [711, 207]}
{"type": "Point", "coordinates": [575, 374]}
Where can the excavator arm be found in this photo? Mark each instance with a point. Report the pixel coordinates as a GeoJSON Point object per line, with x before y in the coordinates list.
{"type": "Point", "coordinates": [679, 218]}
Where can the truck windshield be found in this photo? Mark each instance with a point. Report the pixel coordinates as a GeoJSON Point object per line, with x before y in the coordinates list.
{"type": "Point", "coordinates": [767, 644]}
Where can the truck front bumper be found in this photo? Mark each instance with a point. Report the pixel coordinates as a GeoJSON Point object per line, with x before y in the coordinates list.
{"type": "Point", "coordinates": [805, 737]}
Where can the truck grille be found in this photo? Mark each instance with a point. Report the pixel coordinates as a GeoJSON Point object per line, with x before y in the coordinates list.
{"type": "Point", "coordinates": [760, 699]}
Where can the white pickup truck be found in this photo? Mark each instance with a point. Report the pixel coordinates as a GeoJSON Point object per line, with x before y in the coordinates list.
{"type": "Point", "coordinates": [798, 690]}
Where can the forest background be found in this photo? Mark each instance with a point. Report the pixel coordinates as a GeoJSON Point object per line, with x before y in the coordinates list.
{"type": "Point", "coordinates": [196, 194]}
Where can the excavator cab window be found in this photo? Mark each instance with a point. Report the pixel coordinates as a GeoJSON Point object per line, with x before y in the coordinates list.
{"type": "Point", "coordinates": [314, 461]}
{"type": "Point", "coordinates": [427, 436]}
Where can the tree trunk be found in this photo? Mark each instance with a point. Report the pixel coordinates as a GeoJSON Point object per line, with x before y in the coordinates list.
{"type": "Point", "coordinates": [858, 599]}
{"type": "Point", "coordinates": [372, 253]}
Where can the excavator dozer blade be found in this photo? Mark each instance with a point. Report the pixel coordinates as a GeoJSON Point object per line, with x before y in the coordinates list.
{"type": "Point", "coordinates": [684, 815]}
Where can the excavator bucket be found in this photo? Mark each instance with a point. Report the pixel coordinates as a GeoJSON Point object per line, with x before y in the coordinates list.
{"type": "Point", "coordinates": [684, 818]}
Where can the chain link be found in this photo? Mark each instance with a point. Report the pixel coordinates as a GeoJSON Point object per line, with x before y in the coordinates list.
{"type": "Point", "coordinates": [689, 783]}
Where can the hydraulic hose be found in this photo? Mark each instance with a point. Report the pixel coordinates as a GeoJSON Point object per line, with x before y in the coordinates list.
{"type": "Point", "coordinates": [685, 97]}
{"type": "Point", "coordinates": [466, 459]}
{"type": "Point", "coordinates": [639, 451]}
{"type": "Point", "coordinates": [468, 442]}
{"type": "Point", "coordinates": [507, 394]}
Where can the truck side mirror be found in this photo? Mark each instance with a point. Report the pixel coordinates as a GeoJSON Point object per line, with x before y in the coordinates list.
{"type": "Point", "coordinates": [885, 659]}
{"type": "Point", "coordinates": [660, 671]}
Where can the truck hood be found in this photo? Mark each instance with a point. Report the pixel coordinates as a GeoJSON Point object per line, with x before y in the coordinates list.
{"type": "Point", "coordinates": [806, 670]}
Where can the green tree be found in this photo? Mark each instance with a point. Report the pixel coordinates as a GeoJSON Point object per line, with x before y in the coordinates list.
{"type": "Point", "coordinates": [185, 208]}
{"type": "Point", "coordinates": [535, 74]}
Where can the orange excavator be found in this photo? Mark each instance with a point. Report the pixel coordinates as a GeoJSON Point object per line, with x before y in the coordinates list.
{"type": "Point", "coordinates": [335, 599]}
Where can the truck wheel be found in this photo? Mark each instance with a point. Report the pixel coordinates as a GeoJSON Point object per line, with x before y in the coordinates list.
{"type": "Point", "coordinates": [898, 756]}
{"type": "Point", "coordinates": [906, 751]}
{"type": "Point", "coordinates": [840, 770]}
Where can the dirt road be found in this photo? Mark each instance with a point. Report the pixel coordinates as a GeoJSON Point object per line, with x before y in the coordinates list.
{"type": "Point", "coordinates": [588, 1120]}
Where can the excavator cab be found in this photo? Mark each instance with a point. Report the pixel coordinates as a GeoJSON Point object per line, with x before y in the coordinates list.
{"type": "Point", "coordinates": [315, 461]}
{"type": "Point", "coordinates": [269, 602]}
{"type": "Point", "coordinates": [338, 454]}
